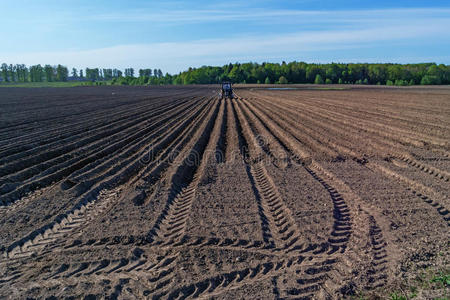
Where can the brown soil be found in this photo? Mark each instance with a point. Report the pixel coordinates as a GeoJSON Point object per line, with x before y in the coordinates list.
{"type": "Point", "coordinates": [170, 193]}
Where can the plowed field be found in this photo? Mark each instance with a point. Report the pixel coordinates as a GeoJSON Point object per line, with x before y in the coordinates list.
{"type": "Point", "coordinates": [172, 193]}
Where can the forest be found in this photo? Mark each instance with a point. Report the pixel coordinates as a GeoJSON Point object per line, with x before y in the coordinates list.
{"type": "Point", "coordinates": [264, 73]}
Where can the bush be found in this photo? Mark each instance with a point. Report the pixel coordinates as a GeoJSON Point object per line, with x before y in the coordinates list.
{"type": "Point", "coordinates": [267, 81]}
{"type": "Point", "coordinates": [340, 81]}
{"type": "Point", "coordinates": [328, 81]}
{"type": "Point", "coordinates": [318, 79]}
{"type": "Point", "coordinates": [282, 80]}
{"type": "Point", "coordinates": [411, 82]}
{"type": "Point", "coordinates": [389, 82]}
{"type": "Point", "coordinates": [366, 81]}
{"type": "Point", "coordinates": [401, 82]}
{"type": "Point", "coordinates": [430, 79]}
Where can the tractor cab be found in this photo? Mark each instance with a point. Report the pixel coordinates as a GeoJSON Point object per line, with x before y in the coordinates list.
{"type": "Point", "coordinates": [227, 91]}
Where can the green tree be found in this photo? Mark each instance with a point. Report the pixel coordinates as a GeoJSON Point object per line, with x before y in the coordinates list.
{"type": "Point", "coordinates": [377, 73]}
{"type": "Point", "coordinates": [49, 73]}
{"type": "Point", "coordinates": [318, 79]}
{"type": "Point", "coordinates": [332, 72]}
{"type": "Point", "coordinates": [145, 72]}
{"type": "Point", "coordinates": [62, 73]}
{"type": "Point", "coordinates": [129, 72]}
{"type": "Point", "coordinates": [21, 72]}
{"type": "Point", "coordinates": [36, 73]}
{"type": "Point", "coordinates": [107, 74]}
{"type": "Point", "coordinates": [430, 79]}
{"type": "Point", "coordinates": [293, 72]}
{"type": "Point", "coordinates": [12, 73]}
{"type": "Point", "coordinates": [236, 74]}
{"type": "Point", "coordinates": [92, 74]}
{"type": "Point", "coordinates": [282, 80]}
{"type": "Point", "coordinates": [311, 73]}
{"type": "Point", "coordinates": [4, 69]}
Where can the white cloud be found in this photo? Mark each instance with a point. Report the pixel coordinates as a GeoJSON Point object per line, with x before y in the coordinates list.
{"type": "Point", "coordinates": [177, 56]}
{"type": "Point", "coordinates": [273, 15]}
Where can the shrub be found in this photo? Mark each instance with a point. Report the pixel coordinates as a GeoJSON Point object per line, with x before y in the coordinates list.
{"type": "Point", "coordinates": [340, 81]}
{"type": "Point", "coordinates": [430, 79]}
{"type": "Point", "coordinates": [267, 81]}
{"type": "Point", "coordinates": [282, 80]}
{"type": "Point", "coordinates": [318, 79]}
{"type": "Point", "coordinates": [366, 81]}
{"type": "Point", "coordinates": [328, 81]}
{"type": "Point", "coordinates": [401, 82]}
{"type": "Point", "coordinates": [389, 82]}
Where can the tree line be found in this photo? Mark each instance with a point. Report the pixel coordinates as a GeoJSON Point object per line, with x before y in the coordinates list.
{"type": "Point", "coordinates": [60, 73]}
{"type": "Point", "coordinates": [267, 73]}
{"type": "Point", "coordinates": [333, 73]}
{"type": "Point", "coordinates": [37, 73]}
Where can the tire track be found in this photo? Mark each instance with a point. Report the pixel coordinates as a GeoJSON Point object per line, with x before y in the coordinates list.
{"type": "Point", "coordinates": [442, 210]}
{"type": "Point", "coordinates": [187, 241]}
{"type": "Point", "coordinates": [153, 272]}
{"type": "Point", "coordinates": [171, 223]}
{"type": "Point", "coordinates": [233, 140]}
{"type": "Point", "coordinates": [425, 193]}
{"type": "Point", "coordinates": [440, 174]}
{"type": "Point", "coordinates": [224, 282]}
{"type": "Point", "coordinates": [121, 175]}
{"type": "Point", "coordinates": [277, 221]}
{"type": "Point", "coordinates": [348, 227]}
{"type": "Point", "coordinates": [216, 285]}
{"type": "Point", "coordinates": [75, 219]}
{"type": "Point", "coordinates": [378, 270]}
{"type": "Point", "coordinates": [148, 181]}
{"type": "Point", "coordinates": [266, 141]}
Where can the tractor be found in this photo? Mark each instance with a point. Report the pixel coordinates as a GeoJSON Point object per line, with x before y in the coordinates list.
{"type": "Point", "coordinates": [227, 91]}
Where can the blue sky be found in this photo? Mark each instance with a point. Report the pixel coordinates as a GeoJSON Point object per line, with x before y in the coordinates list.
{"type": "Point", "coordinates": [174, 35]}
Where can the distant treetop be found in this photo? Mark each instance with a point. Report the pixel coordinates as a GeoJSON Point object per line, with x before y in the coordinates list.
{"type": "Point", "coordinates": [284, 73]}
